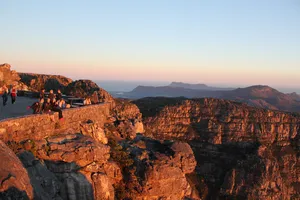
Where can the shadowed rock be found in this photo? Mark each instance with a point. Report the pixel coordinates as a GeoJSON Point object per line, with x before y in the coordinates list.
{"type": "Point", "coordinates": [15, 183]}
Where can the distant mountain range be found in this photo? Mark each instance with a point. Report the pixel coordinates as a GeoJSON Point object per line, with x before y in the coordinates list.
{"type": "Point", "coordinates": [264, 97]}
{"type": "Point", "coordinates": [258, 95]}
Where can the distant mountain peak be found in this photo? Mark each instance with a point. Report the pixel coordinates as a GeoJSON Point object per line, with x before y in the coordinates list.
{"type": "Point", "coordinates": [187, 85]}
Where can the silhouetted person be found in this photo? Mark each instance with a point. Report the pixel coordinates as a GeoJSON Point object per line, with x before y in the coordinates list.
{"type": "Point", "coordinates": [42, 94]}
{"type": "Point", "coordinates": [55, 108]}
{"type": "Point", "coordinates": [59, 95]}
{"type": "Point", "coordinates": [5, 95]}
{"type": "Point", "coordinates": [51, 96]}
{"type": "Point", "coordinates": [47, 106]}
{"type": "Point", "coordinates": [35, 107]}
{"type": "Point", "coordinates": [13, 95]}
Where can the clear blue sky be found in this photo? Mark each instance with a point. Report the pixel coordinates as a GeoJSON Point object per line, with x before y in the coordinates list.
{"type": "Point", "coordinates": [211, 41]}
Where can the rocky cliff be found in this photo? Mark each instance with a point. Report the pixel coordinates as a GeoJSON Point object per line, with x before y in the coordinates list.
{"type": "Point", "coordinates": [50, 82]}
{"type": "Point", "coordinates": [241, 151]}
{"type": "Point", "coordinates": [36, 82]}
{"type": "Point", "coordinates": [87, 88]}
{"type": "Point", "coordinates": [95, 154]}
{"type": "Point", "coordinates": [10, 77]}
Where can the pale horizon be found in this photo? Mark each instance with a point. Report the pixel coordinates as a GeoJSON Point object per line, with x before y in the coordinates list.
{"type": "Point", "coordinates": [230, 43]}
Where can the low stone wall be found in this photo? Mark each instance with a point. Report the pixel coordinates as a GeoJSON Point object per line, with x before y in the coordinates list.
{"type": "Point", "coordinates": [40, 126]}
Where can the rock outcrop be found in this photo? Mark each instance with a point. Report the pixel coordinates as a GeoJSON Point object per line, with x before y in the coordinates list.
{"type": "Point", "coordinates": [159, 169]}
{"type": "Point", "coordinates": [272, 174]}
{"type": "Point", "coordinates": [87, 88]}
{"type": "Point", "coordinates": [218, 121]}
{"type": "Point", "coordinates": [70, 166]}
{"type": "Point", "coordinates": [242, 152]}
{"type": "Point", "coordinates": [14, 180]}
{"type": "Point", "coordinates": [75, 166]}
{"type": "Point", "coordinates": [126, 120]}
{"type": "Point", "coordinates": [10, 77]}
{"type": "Point", "coordinates": [94, 163]}
{"type": "Point", "coordinates": [36, 82]}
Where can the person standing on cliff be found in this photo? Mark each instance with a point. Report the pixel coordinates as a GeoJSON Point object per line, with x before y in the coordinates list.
{"type": "Point", "coordinates": [13, 94]}
{"type": "Point", "coordinates": [4, 95]}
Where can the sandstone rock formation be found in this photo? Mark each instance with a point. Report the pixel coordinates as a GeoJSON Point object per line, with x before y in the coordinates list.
{"type": "Point", "coordinates": [75, 166]}
{"type": "Point", "coordinates": [272, 174]}
{"type": "Point", "coordinates": [95, 164]}
{"type": "Point", "coordinates": [242, 152]}
{"type": "Point", "coordinates": [15, 183]}
{"type": "Point", "coordinates": [87, 88]}
{"type": "Point", "coordinates": [69, 167]}
{"type": "Point", "coordinates": [159, 169]}
{"type": "Point", "coordinates": [217, 121]}
{"type": "Point", "coordinates": [94, 131]}
{"type": "Point", "coordinates": [126, 120]}
{"type": "Point", "coordinates": [10, 77]}
{"type": "Point", "coordinates": [50, 82]}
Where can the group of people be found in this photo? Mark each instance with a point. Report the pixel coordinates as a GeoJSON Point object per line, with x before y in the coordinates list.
{"type": "Point", "coordinates": [46, 103]}
{"type": "Point", "coordinates": [53, 102]}
{"type": "Point", "coordinates": [6, 92]}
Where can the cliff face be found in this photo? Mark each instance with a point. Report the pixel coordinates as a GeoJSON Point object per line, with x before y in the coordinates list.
{"type": "Point", "coordinates": [241, 151]}
{"type": "Point", "coordinates": [160, 169]}
{"type": "Point", "coordinates": [10, 77]}
{"type": "Point", "coordinates": [217, 121]}
{"type": "Point", "coordinates": [97, 154]}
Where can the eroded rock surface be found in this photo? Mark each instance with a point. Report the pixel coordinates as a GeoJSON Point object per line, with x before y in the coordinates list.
{"type": "Point", "coordinates": [70, 166]}
{"type": "Point", "coordinates": [10, 77]}
{"type": "Point", "coordinates": [242, 152]}
{"type": "Point", "coordinates": [87, 88]}
{"type": "Point", "coordinates": [36, 82]}
{"type": "Point", "coordinates": [15, 182]}
{"type": "Point", "coordinates": [126, 120]}
{"type": "Point", "coordinates": [160, 169]}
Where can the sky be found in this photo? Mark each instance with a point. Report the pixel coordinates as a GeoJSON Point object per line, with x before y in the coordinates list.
{"type": "Point", "coordinates": [232, 42]}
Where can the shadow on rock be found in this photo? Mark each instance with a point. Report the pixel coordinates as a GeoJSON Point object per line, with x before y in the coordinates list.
{"type": "Point", "coordinates": [56, 180]}
{"type": "Point", "coordinates": [14, 194]}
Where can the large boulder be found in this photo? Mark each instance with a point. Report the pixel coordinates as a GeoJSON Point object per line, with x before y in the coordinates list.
{"type": "Point", "coordinates": [14, 179]}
